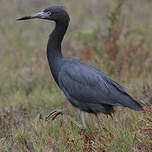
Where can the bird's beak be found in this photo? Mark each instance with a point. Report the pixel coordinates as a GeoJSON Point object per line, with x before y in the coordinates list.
{"type": "Point", "coordinates": [41, 15]}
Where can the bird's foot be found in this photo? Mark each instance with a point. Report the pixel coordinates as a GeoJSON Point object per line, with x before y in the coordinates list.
{"type": "Point", "coordinates": [54, 114]}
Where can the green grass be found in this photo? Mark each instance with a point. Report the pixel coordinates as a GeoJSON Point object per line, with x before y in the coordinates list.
{"type": "Point", "coordinates": [28, 92]}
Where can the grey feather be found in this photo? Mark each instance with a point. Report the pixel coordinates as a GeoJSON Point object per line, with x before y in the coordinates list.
{"type": "Point", "coordinates": [85, 85]}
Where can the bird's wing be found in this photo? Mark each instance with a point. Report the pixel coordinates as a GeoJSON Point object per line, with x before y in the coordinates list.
{"type": "Point", "coordinates": [85, 83]}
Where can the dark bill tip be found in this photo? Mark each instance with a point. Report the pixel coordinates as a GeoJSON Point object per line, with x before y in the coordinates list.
{"type": "Point", "coordinates": [24, 18]}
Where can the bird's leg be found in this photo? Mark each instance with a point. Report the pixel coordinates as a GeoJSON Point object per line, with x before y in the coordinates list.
{"type": "Point", "coordinates": [79, 111]}
{"type": "Point", "coordinates": [98, 121]}
{"type": "Point", "coordinates": [77, 115]}
{"type": "Point", "coordinates": [83, 119]}
{"type": "Point", "coordinates": [99, 125]}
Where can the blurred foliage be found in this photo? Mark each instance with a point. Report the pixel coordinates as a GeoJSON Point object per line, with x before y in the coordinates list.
{"type": "Point", "coordinates": [86, 37]}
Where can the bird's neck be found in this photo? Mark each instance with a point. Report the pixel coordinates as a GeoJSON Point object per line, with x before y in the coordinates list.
{"type": "Point", "coordinates": [55, 40]}
{"type": "Point", "coordinates": [54, 53]}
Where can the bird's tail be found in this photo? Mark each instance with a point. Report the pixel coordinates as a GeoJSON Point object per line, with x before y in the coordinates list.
{"type": "Point", "coordinates": [137, 106]}
{"type": "Point", "coordinates": [133, 104]}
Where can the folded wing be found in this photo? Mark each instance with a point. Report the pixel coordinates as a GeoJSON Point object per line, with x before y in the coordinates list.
{"type": "Point", "coordinates": [86, 84]}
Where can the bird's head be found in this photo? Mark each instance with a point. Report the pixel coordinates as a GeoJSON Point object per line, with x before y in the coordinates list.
{"type": "Point", "coordinates": [53, 13]}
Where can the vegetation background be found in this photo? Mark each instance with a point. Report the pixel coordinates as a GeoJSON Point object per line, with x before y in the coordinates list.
{"type": "Point", "coordinates": [113, 35]}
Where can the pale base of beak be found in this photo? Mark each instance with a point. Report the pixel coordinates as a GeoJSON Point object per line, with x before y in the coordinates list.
{"type": "Point", "coordinates": [41, 15]}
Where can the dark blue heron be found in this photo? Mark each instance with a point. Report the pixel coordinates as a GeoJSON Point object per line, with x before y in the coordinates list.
{"type": "Point", "coordinates": [87, 88]}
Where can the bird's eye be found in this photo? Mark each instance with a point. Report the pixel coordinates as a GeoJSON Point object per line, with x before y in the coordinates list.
{"type": "Point", "coordinates": [49, 13]}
